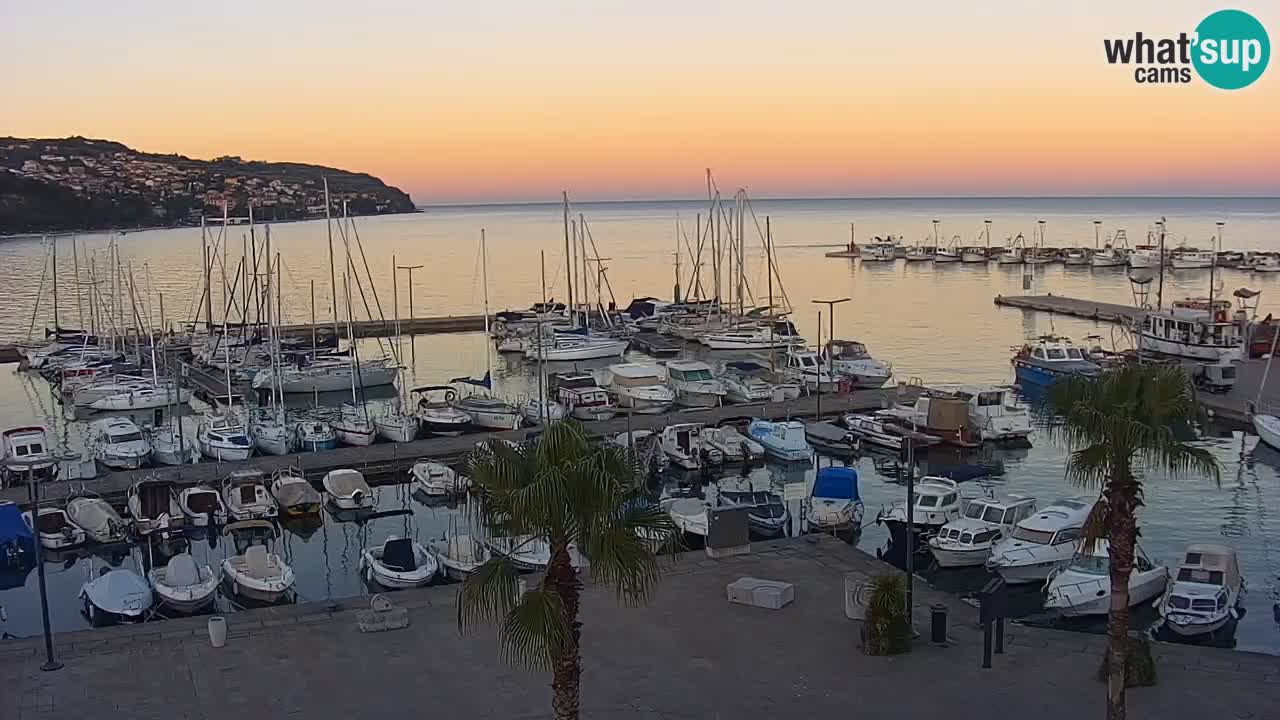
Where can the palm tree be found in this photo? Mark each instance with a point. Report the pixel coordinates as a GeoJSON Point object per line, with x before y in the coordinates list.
{"type": "Point", "coordinates": [560, 490]}
{"type": "Point", "coordinates": [1119, 426]}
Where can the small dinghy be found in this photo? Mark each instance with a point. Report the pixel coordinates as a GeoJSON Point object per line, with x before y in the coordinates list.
{"type": "Point", "coordinates": [766, 513]}
{"type": "Point", "coordinates": [347, 490]}
{"type": "Point", "coordinates": [202, 505]}
{"type": "Point", "coordinates": [294, 494]}
{"type": "Point", "coordinates": [689, 515]}
{"type": "Point", "coordinates": [153, 505]}
{"type": "Point", "coordinates": [184, 586]}
{"type": "Point", "coordinates": [459, 555]}
{"type": "Point", "coordinates": [438, 480]}
{"type": "Point", "coordinates": [399, 563]}
{"type": "Point", "coordinates": [54, 529]}
{"type": "Point", "coordinates": [256, 573]}
{"type": "Point", "coordinates": [527, 553]}
{"type": "Point", "coordinates": [116, 596]}
{"type": "Point", "coordinates": [246, 496]}
{"type": "Point", "coordinates": [97, 518]}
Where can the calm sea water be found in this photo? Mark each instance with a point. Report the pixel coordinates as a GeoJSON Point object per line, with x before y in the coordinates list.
{"type": "Point", "coordinates": [938, 324]}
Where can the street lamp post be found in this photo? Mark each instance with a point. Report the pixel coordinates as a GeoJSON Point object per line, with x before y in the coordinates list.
{"type": "Point", "coordinates": [831, 320]}
{"type": "Point", "coordinates": [34, 496]}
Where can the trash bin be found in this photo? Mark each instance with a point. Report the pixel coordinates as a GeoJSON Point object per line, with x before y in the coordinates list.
{"type": "Point", "coordinates": [938, 624]}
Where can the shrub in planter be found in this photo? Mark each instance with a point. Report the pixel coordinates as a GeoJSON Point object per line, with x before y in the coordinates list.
{"type": "Point", "coordinates": [887, 630]}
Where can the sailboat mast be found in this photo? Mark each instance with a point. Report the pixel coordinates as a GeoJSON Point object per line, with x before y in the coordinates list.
{"type": "Point", "coordinates": [55, 284]}
{"type": "Point", "coordinates": [543, 409]}
{"type": "Point", "coordinates": [675, 295]}
{"type": "Point", "coordinates": [568, 263]}
{"type": "Point", "coordinates": [768, 251]}
{"type": "Point", "coordinates": [75, 266]}
{"type": "Point", "coordinates": [484, 279]}
{"type": "Point", "coordinates": [333, 279]}
{"type": "Point", "coordinates": [208, 279]}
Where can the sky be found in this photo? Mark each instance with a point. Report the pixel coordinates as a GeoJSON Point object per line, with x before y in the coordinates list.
{"type": "Point", "coordinates": [514, 101]}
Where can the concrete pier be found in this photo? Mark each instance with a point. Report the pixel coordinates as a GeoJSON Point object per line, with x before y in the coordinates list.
{"type": "Point", "coordinates": [686, 654]}
{"type": "Point", "coordinates": [1075, 307]}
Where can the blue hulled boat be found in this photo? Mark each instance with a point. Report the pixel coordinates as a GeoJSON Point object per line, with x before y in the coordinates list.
{"type": "Point", "coordinates": [1044, 362]}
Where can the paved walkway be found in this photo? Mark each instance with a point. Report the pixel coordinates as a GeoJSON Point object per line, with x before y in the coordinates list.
{"type": "Point", "coordinates": [688, 654]}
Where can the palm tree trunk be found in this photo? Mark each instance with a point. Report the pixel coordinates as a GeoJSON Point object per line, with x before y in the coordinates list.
{"type": "Point", "coordinates": [1122, 500]}
{"type": "Point", "coordinates": [567, 669]}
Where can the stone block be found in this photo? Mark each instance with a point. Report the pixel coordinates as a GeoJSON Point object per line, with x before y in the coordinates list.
{"type": "Point", "coordinates": [769, 594]}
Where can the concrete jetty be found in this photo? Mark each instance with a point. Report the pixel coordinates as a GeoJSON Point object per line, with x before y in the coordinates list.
{"type": "Point", "coordinates": [1075, 307]}
{"type": "Point", "coordinates": [686, 654]}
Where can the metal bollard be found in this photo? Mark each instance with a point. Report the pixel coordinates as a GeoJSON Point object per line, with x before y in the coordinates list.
{"type": "Point", "coordinates": [1000, 635]}
{"type": "Point", "coordinates": [938, 624]}
{"type": "Point", "coordinates": [986, 645]}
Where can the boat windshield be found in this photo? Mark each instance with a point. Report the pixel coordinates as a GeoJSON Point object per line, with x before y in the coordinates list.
{"type": "Point", "coordinates": [126, 437]}
{"type": "Point", "coordinates": [807, 361]}
{"type": "Point", "coordinates": [996, 515]}
{"type": "Point", "coordinates": [1056, 353]}
{"type": "Point", "coordinates": [690, 375]}
{"type": "Point", "coordinates": [1092, 565]}
{"type": "Point", "coordinates": [975, 510]}
{"type": "Point", "coordinates": [1037, 537]}
{"type": "Point", "coordinates": [1074, 354]}
{"type": "Point", "coordinates": [927, 501]}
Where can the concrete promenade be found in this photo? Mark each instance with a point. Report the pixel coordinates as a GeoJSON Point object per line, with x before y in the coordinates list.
{"type": "Point", "coordinates": [687, 654]}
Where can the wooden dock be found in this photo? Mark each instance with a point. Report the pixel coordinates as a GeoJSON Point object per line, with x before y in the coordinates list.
{"type": "Point", "coordinates": [387, 328]}
{"type": "Point", "coordinates": [1075, 307]}
{"type": "Point", "coordinates": [657, 345]}
{"type": "Point", "coordinates": [387, 463]}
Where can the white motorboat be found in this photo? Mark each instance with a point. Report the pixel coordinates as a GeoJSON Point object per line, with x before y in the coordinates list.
{"type": "Point", "coordinates": [993, 415]}
{"type": "Point", "coordinates": [535, 411]}
{"type": "Point", "coordinates": [153, 505]}
{"type": "Point", "coordinates": [1191, 259]}
{"type": "Point", "coordinates": [328, 374]}
{"type": "Point", "coordinates": [946, 255]}
{"type": "Point", "coordinates": [119, 444]}
{"type": "Point", "coordinates": [1190, 328]}
{"type": "Point", "coordinates": [399, 563]}
{"type": "Point", "coordinates": [1206, 592]}
{"type": "Point", "coordinates": [490, 413]}
{"type": "Point", "coordinates": [871, 430]}
{"type": "Point", "coordinates": [438, 480]}
{"type": "Point", "coordinates": [850, 358]}
{"type": "Point", "coordinates": [143, 397]}
{"type": "Point", "coordinates": [246, 497]}
{"type": "Point", "coordinates": [806, 368]}
{"type": "Point", "coordinates": [754, 336]}
{"type": "Point", "coordinates": [1267, 264]}
{"type": "Point", "coordinates": [580, 396]}
{"type": "Point", "coordinates": [733, 446]}
{"type": "Point", "coordinates": [26, 451]}
{"type": "Point", "coordinates": [835, 503]}
{"type": "Point", "coordinates": [689, 515]}
{"type": "Point", "coordinates": [346, 489]}
{"type": "Point", "coordinates": [1268, 429]}
{"type": "Point", "coordinates": [397, 426]}
{"type": "Point", "coordinates": [937, 502]}
{"type": "Point", "coordinates": [569, 347]}
{"type": "Point", "coordinates": [223, 438]}
{"type": "Point", "coordinates": [694, 385]}
{"type": "Point", "coordinates": [271, 433]}
{"type": "Point", "coordinates": [1145, 256]}
{"type": "Point", "coordinates": [459, 555]}
{"type": "Point", "coordinates": [256, 572]}
{"type": "Point", "coordinates": [784, 440]}
{"type": "Point", "coordinates": [172, 445]}
{"type": "Point", "coordinates": [1108, 256]}
{"type": "Point", "coordinates": [353, 426]}
{"type": "Point", "coordinates": [438, 411]}
{"type": "Point", "coordinates": [54, 529]}
{"type": "Point", "coordinates": [115, 596]}
{"type": "Point", "coordinates": [100, 522]}
{"type": "Point", "coordinates": [528, 553]}
{"type": "Point", "coordinates": [294, 495]}
{"type": "Point", "coordinates": [183, 586]}
{"type": "Point", "coordinates": [1042, 543]}
{"type": "Point", "coordinates": [967, 541]}
{"type": "Point", "coordinates": [202, 506]}
{"type": "Point", "coordinates": [744, 383]}
{"type": "Point", "coordinates": [639, 388]}
{"type": "Point", "coordinates": [1075, 257]}
{"type": "Point", "coordinates": [1084, 586]}
{"type": "Point", "coordinates": [682, 442]}
{"type": "Point", "coordinates": [312, 434]}
{"type": "Point", "coordinates": [919, 253]}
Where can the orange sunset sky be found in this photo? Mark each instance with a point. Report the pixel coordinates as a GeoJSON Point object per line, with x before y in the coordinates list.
{"type": "Point", "coordinates": [475, 102]}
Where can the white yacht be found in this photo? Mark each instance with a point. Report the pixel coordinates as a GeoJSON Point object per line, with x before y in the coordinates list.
{"type": "Point", "coordinates": [639, 388]}
{"type": "Point", "coordinates": [850, 358]}
{"type": "Point", "coordinates": [745, 383]}
{"type": "Point", "coordinates": [119, 444]}
{"type": "Point", "coordinates": [1191, 259]}
{"type": "Point", "coordinates": [1206, 591]}
{"type": "Point", "coordinates": [805, 367]}
{"type": "Point", "coordinates": [569, 347]}
{"type": "Point", "coordinates": [271, 433]}
{"type": "Point", "coordinates": [1084, 586]}
{"type": "Point", "coordinates": [761, 335]}
{"type": "Point", "coordinates": [1145, 256]}
{"type": "Point", "coordinates": [993, 415]}
{"type": "Point", "coordinates": [256, 572]}
{"type": "Point", "coordinates": [26, 451]}
{"type": "Point", "coordinates": [1190, 328]}
{"type": "Point", "coordinates": [693, 384]}
{"type": "Point", "coordinates": [580, 396]}
{"type": "Point", "coordinates": [682, 442]}
{"type": "Point", "coordinates": [1042, 543]}
{"type": "Point", "coordinates": [438, 411]}
{"type": "Point", "coordinates": [223, 438]}
{"type": "Point", "coordinates": [328, 374]}
{"type": "Point", "coordinates": [967, 540]}
{"type": "Point", "coordinates": [436, 479]}
{"type": "Point", "coordinates": [1110, 255]}
{"type": "Point", "coordinates": [937, 502]}
{"type": "Point", "coordinates": [878, 251]}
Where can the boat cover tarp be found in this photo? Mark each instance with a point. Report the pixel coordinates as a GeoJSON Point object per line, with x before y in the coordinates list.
{"type": "Point", "coordinates": [297, 494]}
{"type": "Point", "coordinates": [204, 502]}
{"type": "Point", "coordinates": [398, 555]}
{"type": "Point", "coordinates": [181, 571]}
{"type": "Point", "coordinates": [836, 482]}
{"type": "Point", "coordinates": [17, 544]}
{"type": "Point", "coordinates": [120, 591]}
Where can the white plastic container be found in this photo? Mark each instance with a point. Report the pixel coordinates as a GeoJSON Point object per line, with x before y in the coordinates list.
{"type": "Point", "coordinates": [217, 631]}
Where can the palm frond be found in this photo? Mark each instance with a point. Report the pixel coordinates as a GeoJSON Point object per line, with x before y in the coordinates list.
{"type": "Point", "coordinates": [535, 632]}
{"type": "Point", "coordinates": [488, 594]}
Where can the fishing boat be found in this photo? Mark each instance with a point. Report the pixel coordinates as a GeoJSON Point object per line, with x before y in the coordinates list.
{"type": "Point", "coordinates": [54, 529]}
{"type": "Point", "coordinates": [183, 586]}
{"type": "Point", "coordinates": [294, 494]}
{"type": "Point", "coordinates": [1107, 257]}
{"type": "Point", "coordinates": [877, 251]}
{"type": "Point", "coordinates": [438, 480]}
{"type": "Point", "coordinates": [438, 411]}
{"type": "Point", "coordinates": [744, 383]}
{"type": "Point", "coordinates": [733, 446]}
{"type": "Point", "coordinates": [459, 555]}
{"type": "Point", "coordinates": [919, 253]}
{"type": "Point", "coordinates": [937, 502]}
{"type": "Point", "coordinates": [1075, 257]}
{"type": "Point", "coordinates": [1191, 259]}
{"type": "Point", "coordinates": [834, 503]}
{"type": "Point", "coordinates": [223, 437]}
{"type": "Point", "coordinates": [993, 415]}
{"type": "Point", "coordinates": [1041, 543]}
{"type": "Point", "coordinates": [1084, 586]}
{"type": "Point", "coordinates": [116, 596]}
{"type": "Point", "coordinates": [850, 358]}
{"type": "Point", "coordinates": [399, 563]}
{"type": "Point", "coordinates": [805, 368]}
{"type": "Point", "coordinates": [119, 444]}
{"type": "Point", "coordinates": [1194, 328]}
{"type": "Point", "coordinates": [580, 396]}
{"type": "Point", "coordinates": [1206, 593]}
{"type": "Point", "coordinates": [682, 442]}
{"type": "Point", "coordinates": [1049, 359]}
{"type": "Point", "coordinates": [346, 489]}
{"type": "Point", "coordinates": [255, 572]}
{"type": "Point", "coordinates": [694, 385]}
{"type": "Point", "coordinates": [761, 335]}
{"type": "Point", "coordinates": [783, 440]}
{"type": "Point", "coordinates": [246, 497]}
{"type": "Point", "coordinates": [1145, 256]}
{"type": "Point", "coordinates": [948, 254]}
{"type": "Point", "coordinates": [153, 505]}
{"type": "Point", "coordinates": [26, 455]}
{"type": "Point", "coordinates": [100, 522]}
{"type": "Point", "coordinates": [1267, 264]}
{"type": "Point", "coordinates": [639, 388]}
{"type": "Point", "coordinates": [202, 506]}
{"type": "Point", "coordinates": [312, 434]}
{"type": "Point", "coordinates": [967, 540]}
